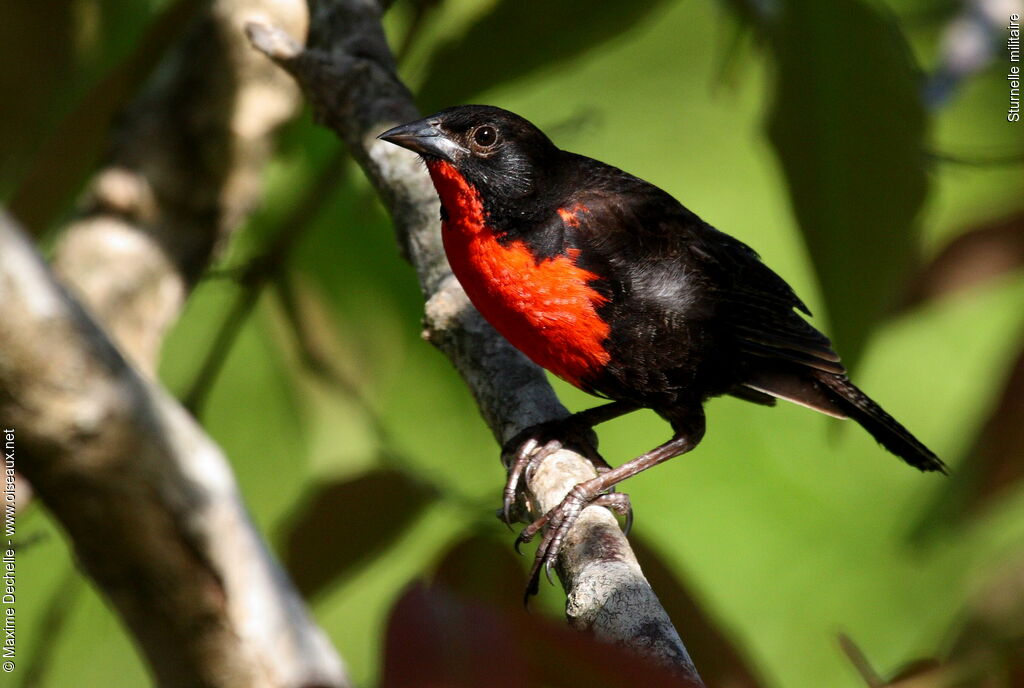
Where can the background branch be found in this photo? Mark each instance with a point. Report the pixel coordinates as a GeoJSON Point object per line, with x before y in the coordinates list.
{"type": "Point", "coordinates": [183, 173]}
{"type": "Point", "coordinates": [348, 74]}
{"type": "Point", "coordinates": [266, 267]}
{"type": "Point", "coordinates": [147, 499]}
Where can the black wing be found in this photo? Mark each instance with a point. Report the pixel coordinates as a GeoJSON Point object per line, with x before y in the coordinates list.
{"type": "Point", "coordinates": [759, 306]}
{"type": "Point", "coordinates": [645, 230]}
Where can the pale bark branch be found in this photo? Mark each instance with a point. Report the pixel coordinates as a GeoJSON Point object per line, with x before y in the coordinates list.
{"type": "Point", "coordinates": [147, 499]}
{"type": "Point", "coordinates": [347, 73]}
{"type": "Point", "coordinates": [184, 171]}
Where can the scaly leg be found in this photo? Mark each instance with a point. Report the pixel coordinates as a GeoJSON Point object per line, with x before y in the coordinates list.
{"type": "Point", "coordinates": [559, 521]}
{"type": "Point", "coordinates": [530, 447]}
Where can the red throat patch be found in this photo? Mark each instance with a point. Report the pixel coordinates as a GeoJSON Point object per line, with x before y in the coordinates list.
{"type": "Point", "coordinates": [546, 309]}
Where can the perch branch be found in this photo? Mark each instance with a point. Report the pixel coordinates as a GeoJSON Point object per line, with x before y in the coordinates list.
{"type": "Point", "coordinates": [348, 74]}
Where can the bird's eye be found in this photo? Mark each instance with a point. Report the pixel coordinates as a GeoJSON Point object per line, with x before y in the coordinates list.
{"type": "Point", "coordinates": [485, 136]}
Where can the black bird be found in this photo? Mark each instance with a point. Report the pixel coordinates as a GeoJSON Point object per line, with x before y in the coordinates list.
{"type": "Point", "coordinates": [613, 285]}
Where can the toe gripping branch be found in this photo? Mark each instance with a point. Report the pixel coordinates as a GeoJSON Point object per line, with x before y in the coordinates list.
{"type": "Point", "coordinates": [528, 449]}
{"type": "Point", "coordinates": [535, 444]}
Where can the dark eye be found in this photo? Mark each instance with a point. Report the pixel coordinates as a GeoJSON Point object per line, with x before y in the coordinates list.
{"type": "Point", "coordinates": [485, 136]}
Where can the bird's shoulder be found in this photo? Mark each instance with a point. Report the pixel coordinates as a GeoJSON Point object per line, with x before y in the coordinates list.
{"type": "Point", "coordinates": [614, 212]}
{"type": "Point", "coordinates": [661, 255]}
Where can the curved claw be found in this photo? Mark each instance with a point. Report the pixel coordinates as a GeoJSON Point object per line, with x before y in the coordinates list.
{"type": "Point", "coordinates": [628, 525]}
{"type": "Point", "coordinates": [506, 508]}
{"type": "Point", "coordinates": [510, 456]}
{"type": "Point", "coordinates": [559, 521]}
{"type": "Point", "coordinates": [524, 452]}
{"type": "Point", "coordinates": [519, 461]}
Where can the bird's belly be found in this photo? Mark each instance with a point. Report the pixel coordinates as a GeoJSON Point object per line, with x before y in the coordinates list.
{"type": "Point", "coordinates": [546, 309]}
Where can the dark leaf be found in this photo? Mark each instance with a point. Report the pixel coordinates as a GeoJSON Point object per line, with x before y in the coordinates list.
{"type": "Point", "coordinates": [493, 50]}
{"type": "Point", "coordinates": [343, 525]}
{"type": "Point", "coordinates": [483, 568]}
{"type": "Point", "coordinates": [996, 462]}
{"type": "Point", "coordinates": [434, 639]}
{"type": "Point", "coordinates": [915, 669]}
{"type": "Point", "coordinates": [848, 126]}
{"type": "Point", "coordinates": [721, 662]}
{"type": "Point", "coordinates": [977, 256]}
{"type": "Point", "coordinates": [993, 627]}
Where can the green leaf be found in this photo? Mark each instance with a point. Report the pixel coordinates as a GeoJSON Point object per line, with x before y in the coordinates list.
{"type": "Point", "coordinates": [848, 126]}
{"type": "Point", "coordinates": [344, 525]}
{"type": "Point", "coordinates": [518, 37]}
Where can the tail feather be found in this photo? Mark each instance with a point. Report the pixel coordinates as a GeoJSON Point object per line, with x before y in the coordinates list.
{"type": "Point", "coordinates": [883, 427]}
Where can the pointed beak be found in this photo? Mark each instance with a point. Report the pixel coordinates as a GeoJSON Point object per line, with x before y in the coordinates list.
{"type": "Point", "coordinates": [423, 137]}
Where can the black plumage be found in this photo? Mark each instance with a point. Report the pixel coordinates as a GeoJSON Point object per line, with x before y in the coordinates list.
{"type": "Point", "coordinates": [691, 312]}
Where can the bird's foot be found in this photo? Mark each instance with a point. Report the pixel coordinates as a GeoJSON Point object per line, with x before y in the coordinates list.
{"type": "Point", "coordinates": [557, 523]}
{"type": "Point", "coordinates": [523, 453]}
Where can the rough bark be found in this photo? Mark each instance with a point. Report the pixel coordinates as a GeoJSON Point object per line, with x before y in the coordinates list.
{"type": "Point", "coordinates": [184, 171]}
{"type": "Point", "coordinates": [348, 75]}
{"type": "Point", "coordinates": [147, 500]}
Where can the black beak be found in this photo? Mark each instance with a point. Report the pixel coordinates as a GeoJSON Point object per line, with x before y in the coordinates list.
{"type": "Point", "coordinates": [425, 138]}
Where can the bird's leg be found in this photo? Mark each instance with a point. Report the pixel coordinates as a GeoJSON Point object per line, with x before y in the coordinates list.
{"type": "Point", "coordinates": [529, 447]}
{"type": "Point", "coordinates": [558, 521]}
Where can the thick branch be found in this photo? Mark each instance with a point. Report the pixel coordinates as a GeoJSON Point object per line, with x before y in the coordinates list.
{"type": "Point", "coordinates": [147, 499]}
{"type": "Point", "coordinates": [183, 172]}
{"type": "Point", "coordinates": [348, 75]}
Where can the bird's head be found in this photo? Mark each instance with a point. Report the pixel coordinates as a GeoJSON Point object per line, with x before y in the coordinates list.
{"type": "Point", "coordinates": [498, 153]}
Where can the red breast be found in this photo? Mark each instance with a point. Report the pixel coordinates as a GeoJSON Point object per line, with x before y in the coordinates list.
{"type": "Point", "coordinates": [546, 309]}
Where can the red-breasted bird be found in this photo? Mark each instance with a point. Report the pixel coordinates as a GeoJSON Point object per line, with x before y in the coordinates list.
{"type": "Point", "coordinates": [613, 285]}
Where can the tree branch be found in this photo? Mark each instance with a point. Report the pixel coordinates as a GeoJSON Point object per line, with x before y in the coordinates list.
{"type": "Point", "coordinates": [147, 499]}
{"type": "Point", "coordinates": [184, 171]}
{"type": "Point", "coordinates": [269, 265]}
{"type": "Point", "coordinates": [347, 72]}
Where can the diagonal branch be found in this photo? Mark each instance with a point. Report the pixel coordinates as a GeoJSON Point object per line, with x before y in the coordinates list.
{"type": "Point", "coordinates": [268, 266]}
{"type": "Point", "coordinates": [147, 499]}
{"type": "Point", "coordinates": [348, 74]}
{"type": "Point", "coordinates": [184, 171]}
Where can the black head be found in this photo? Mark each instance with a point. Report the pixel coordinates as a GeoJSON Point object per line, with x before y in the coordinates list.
{"type": "Point", "coordinates": [498, 152]}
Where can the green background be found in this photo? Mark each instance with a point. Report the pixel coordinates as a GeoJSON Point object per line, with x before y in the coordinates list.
{"type": "Point", "coordinates": [788, 527]}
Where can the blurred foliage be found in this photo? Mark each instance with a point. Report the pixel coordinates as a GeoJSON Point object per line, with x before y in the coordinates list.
{"type": "Point", "coordinates": [360, 517]}
{"type": "Point", "coordinates": [490, 51]}
{"type": "Point", "coordinates": [111, 50]}
{"type": "Point", "coordinates": [849, 128]}
{"type": "Point", "coordinates": [361, 453]}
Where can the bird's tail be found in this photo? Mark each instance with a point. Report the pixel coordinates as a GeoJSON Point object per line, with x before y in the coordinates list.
{"type": "Point", "coordinates": [883, 427]}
